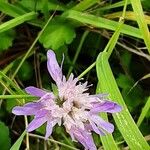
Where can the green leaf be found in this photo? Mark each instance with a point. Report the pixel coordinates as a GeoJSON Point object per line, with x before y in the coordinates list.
{"type": "Point", "coordinates": [132, 96]}
{"type": "Point", "coordinates": [10, 104]}
{"type": "Point", "coordinates": [6, 39]}
{"type": "Point", "coordinates": [85, 4]}
{"type": "Point", "coordinates": [108, 140]}
{"type": "Point", "coordinates": [34, 5]}
{"type": "Point", "coordinates": [57, 34]}
{"type": "Point", "coordinates": [126, 59]}
{"type": "Point", "coordinates": [26, 71]}
{"type": "Point", "coordinates": [123, 119]}
{"type": "Point", "coordinates": [17, 144]}
{"type": "Point", "coordinates": [114, 5]}
{"type": "Point", "coordinates": [124, 82]}
{"type": "Point", "coordinates": [11, 9]}
{"type": "Point", "coordinates": [144, 112]}
{"type": "Point", "coordinates": [100, 22]}
{"type": "Point", "coordinates": [137, 7]}
{"type": "Point", "coordinates": [146, 4]}
{"type": "Point", "coordinates": [5, 141]}
{"type": "Point", "coordinates": [17, 21]}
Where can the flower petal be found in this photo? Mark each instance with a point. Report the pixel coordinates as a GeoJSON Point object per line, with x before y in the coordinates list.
{"type": "Point", "coordinates": [27, 109]}
{"type": "Point", "coordinates": [101, 124]}
{"type": "Point", "coordinates": [36, 123]}
{"type": "Point", "coordinates": [106, 106]}
{"type": "Point", "coordinates": [84, 137]}
{"type": "Point", "coordinates": [35, 91]}
{"type": "Point", "coordinates": [49, 127]}
{"type": "Point", "coordinates": [96, 129]}
{"type": "Point", "coordinates": [53, 67]}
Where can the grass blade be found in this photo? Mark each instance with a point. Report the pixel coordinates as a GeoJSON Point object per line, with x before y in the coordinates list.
{"type": "Point", "coordinates": [85, 4]}
{"type": "Point", "coordinates": [124, 121]}
{"type": "Point", "coordinates": [108, 140]}
{"type": "Point", "coordinates": [17, 21]}
{"type": "Point", "coordinates": [144, 112]}
{"type": "Point", "coordinates": [17, 144]}
{"type": "Point", "coordinates": [10, 9]}
{"type": "Point", "coordinates": [16, 96]}
{"type": "Point", "coordinates": [11, 83]}
{"type": "Point", "coordinates": [102, 23]}
{"type": "Point", "coordinates": [137, 7]}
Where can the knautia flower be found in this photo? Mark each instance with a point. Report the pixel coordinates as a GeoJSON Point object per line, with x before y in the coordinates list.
{"type": "Point", "coordinates": [72, 106]}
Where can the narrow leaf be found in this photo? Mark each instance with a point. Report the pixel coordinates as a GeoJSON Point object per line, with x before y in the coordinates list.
{"type": "Point", "coordinates": [17, 144]}
{"type": "Point", "coordinates": [85, 4]}
{"type": "Point", "coordinates": [144, 112]}
{"type": "Point", "coordinates": [137, 7]}
{"type": "Point", "coordinates": [124, 121]}
{"type": "Point", "coordinates": [102, 23]}
{"type": "Point", "coordinates": [17, 21]}
{"type": "Point", "coordinates": [11, 9]}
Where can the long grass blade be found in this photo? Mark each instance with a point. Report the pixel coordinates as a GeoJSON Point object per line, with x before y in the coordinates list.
{"type": "Point", "coordinates": [17, 21]}
{"type": "Point", "coordinates": [137, 7]}
{"type": "Point", "coordinates": [17, 144]}
{"type": "Point", "coordinates": [144, 112]}
{"type": "Point", "coordinates": [85, 4]}
{"type": "Point", "coordinates": [124, 121]}
{"type": "Point", "coordinates": [16, 96]}
{"type": "Point", "coordinates": [11, 83]}
{"type": "Point", "coordinates": [130, 15]}
{"type": "Point", "coordinates": [11, 9]}
{"type": "Point", "coordinates": [102, 23]}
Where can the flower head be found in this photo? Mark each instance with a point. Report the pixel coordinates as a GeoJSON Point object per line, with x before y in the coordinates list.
{"type": "Point", "coordinates": [73, 107]}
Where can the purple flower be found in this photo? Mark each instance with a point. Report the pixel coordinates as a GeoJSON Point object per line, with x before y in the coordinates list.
{"type": "Point", "coordinates": [73, 107]}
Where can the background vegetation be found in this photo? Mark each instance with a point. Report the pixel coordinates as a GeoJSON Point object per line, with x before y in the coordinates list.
{"type": "Point", "coordinates": [105, 41]}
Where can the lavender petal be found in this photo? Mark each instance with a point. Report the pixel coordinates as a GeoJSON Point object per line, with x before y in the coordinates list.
{"type": "Point", "coordinates": [27, 109]}
{"type": "Point", "coordinates": [35, 91]}
{"type": "Point", "coordinates": [42, 113]}
{"type": "Point", "coordinates": [48, 129]}
{"type": "Point", "coordinates": [101, 124]}
{"type": "Point", "coordinates": [53, 67]}
{"type": "Point", "coordinates": [84, 137]}
{"type": "Point", "coordinates": [36, 123]}
{"type": "Point", "coordinates": [106, 106]}
{"type": "Point", "coordinates": [96, 129]}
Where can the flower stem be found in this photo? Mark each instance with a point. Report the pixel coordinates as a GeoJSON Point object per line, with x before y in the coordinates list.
{"type": "Point", "coordinates": [16, 96]}
{"type": "Point", "coordinates": [77, 52]}
{"type": "Point", "coordinates": [54, 141]}
{"type": "Point", "coordinates": [87, 70]}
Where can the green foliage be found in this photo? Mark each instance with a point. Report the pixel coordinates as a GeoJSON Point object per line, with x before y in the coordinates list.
{"type": "Point", "coordinates": [126, 59]}
{"type": "Point", "coordinates": [10, 9]}
{"type": "Point", "coordinates": [124, 121]}
{"type": "Point", "coordinates": [17, 144]}
{"type": "Point", "coordinates": [124, 82]}
{"type": "Point", "coordinates": [80, 30]}
{"type": "Point", "coordinates": [5, 141]}
{"type": "Point", "coordinates": [26, 71]}
{"type": "Point", "coordinates": [10, 104]}
{"type": "Point", "coordinates": [146, 4]}
{"type": "Point", "coordinates": [64, 31]}
{"type": "Point", "coordinates": [17, 21]}
{"type": "Point", "coordinates": [6, 39]}
{"type": "Point", "coordinates": [144, 112]}
{"type": "Point", "coordinates": [133, 97]}
{"type": "Point", "coordinates": [32, 5]}
{"type": "Point", "coordinates": [100, 22]}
